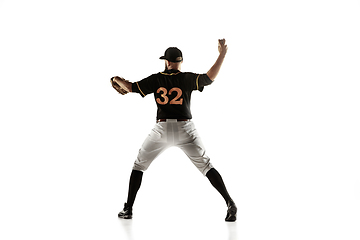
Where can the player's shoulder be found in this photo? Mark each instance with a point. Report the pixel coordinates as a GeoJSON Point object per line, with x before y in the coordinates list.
{"type": "Point", "coordinates": [151, 77]}
{"type": "Point", "coordinates": [189, 74]}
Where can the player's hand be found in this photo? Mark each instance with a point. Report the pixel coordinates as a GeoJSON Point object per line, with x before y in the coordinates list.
{"type": "Point", "coordinates": [120, 81]}
{"type": "Point", "coordinates": [121, 85]}
{"type": "Point", "coordinates": [222, 47]}
{"type": "Point", "coordinates": [117, 79]}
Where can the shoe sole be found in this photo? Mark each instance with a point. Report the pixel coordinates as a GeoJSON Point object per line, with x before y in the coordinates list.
{"type": "Point", "coordinates": [231, 219]}
{"type": "Point", "coordinates": [125, 216]}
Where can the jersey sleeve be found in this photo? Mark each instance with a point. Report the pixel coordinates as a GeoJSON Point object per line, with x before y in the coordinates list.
{"type": "Point", "coordinates": [201, 81]}
{"type": "Point", "coordinates": [145, 86]}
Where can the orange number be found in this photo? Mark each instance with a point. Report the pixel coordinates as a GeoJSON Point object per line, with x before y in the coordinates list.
{"type": "Point", "coordinates": [179, 93]}
{"type": "Point", "coordinates": [166, 99]}
{"type": "Point", "coordinates": [176, 100]}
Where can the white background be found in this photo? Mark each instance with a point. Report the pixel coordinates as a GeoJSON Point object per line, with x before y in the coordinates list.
{"type": "Point", "coordinates": [280, 123]}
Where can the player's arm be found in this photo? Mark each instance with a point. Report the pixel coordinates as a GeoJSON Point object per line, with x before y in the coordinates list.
{"type": "Point", "coordinates": [123, 83]}
{"type": "Point", "coordinates": [214, 70]}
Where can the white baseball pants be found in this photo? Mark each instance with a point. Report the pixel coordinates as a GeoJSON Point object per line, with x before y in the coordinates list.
{"type": "Point", "coordinates": [181, 134]}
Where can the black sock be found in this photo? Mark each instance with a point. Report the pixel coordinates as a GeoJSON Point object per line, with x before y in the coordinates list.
{"type": "Point", "coordinates": [216, 180]}
{"type": "Point", "coordinates": [134, 185]}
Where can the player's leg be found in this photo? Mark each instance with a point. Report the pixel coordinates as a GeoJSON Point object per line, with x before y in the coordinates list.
{"type": "Point", "coordinates": [202, 162]}
{"type": "Point", "coordinates": [216, 180]}
{"type": "Point", "coordinates": [134, 186]}
{"type": "Point", "coordinates": [193, 147]}
{"type": "Point", "coordinates": [190, 142]}
{"type": "Point", "coordinates": [151, 148]}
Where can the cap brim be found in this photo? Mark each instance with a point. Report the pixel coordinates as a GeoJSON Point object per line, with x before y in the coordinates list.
{"type": "Point", "coordinates": [163, 57]}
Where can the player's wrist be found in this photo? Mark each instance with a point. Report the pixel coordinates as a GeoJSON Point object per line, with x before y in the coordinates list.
{"type": "Point", "coordinates": [222, 54]}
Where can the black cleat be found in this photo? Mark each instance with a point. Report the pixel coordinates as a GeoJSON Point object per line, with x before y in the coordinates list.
{"type": "Point", "coordinates": [231, 212]}
{"type": "Point", "coordinates": [126, 213]}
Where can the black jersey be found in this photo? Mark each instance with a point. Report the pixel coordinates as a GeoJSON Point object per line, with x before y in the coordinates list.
{"type": "Point", "coordinates": [172, 91]}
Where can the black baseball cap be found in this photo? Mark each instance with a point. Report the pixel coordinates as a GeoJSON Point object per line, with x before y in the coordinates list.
{"type": "Point", "coordinates": [173, 54]}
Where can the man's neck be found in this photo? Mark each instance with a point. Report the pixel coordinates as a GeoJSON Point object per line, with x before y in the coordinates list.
{"type": "Point", "coordinates": [172, 70]}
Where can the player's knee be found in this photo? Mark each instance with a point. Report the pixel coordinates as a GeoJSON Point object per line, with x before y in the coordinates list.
{"type": "Point", "coordinates": [206, 169]}
{"type": "Point", "coordinates": [140, 167]}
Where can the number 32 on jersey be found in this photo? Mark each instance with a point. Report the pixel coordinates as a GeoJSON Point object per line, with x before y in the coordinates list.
{"type": "Point", "coordinates": [165, 99]}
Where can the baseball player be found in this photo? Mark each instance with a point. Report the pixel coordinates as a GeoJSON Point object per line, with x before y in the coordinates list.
{"type": "Point", "coordinates": [172, 92]}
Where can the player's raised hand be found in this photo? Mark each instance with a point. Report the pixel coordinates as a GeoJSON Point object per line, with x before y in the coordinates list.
{"type": "Point", "coordinates": [214, 70]}
{"type": "Point", "coordinates": [222, 47]}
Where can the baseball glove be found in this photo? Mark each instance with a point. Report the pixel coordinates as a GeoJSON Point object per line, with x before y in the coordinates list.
{"type": "Point", "coordinates": [118, 84]}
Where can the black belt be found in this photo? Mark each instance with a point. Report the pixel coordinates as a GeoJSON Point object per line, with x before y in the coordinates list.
{"type": "Point", "coordinates": [179, 120]}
